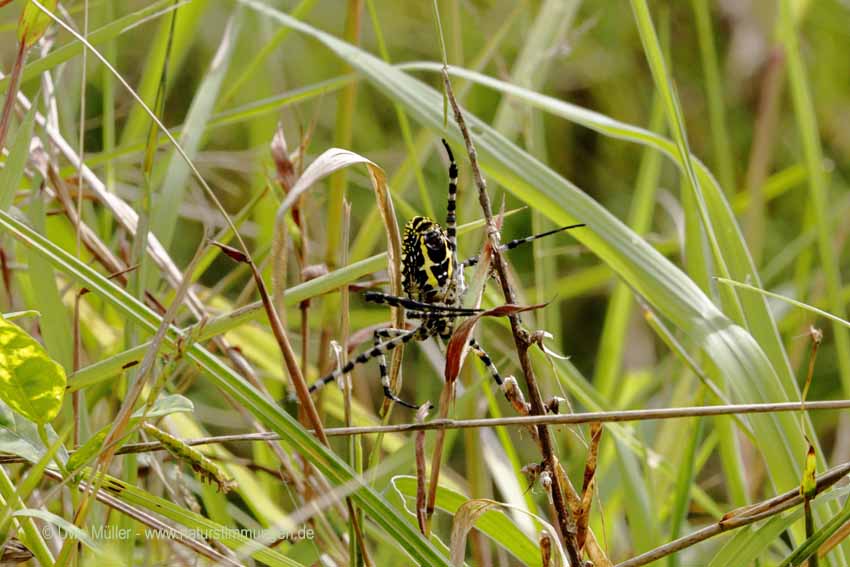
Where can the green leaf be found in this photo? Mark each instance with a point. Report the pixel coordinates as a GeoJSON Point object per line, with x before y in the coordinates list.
{"type": "Point", "coordinates": [494, 524]}
{"type": "Point", "coordinates": [19, 436]}
{"type": "Point", "coordinates": [163, 406]}
{"type": "Point", "coordinates": [64, 525]}
{"type": "Point", "coordinates": [166, 207]}
{"type": "Point", "coordinates": [750, 542]}
{"type": "Point", "coordinates": [808, 485]}
{"type": "Point", "coordinates": [54, 320]}
{"type": "Point", "coordinates": [34, 22]}
{"type": "Point", "coordinates": [31, 382]}
{"type": "Point", "coordinates": [13, 169]}
{"type": "Point", "coordinates": [7, 417]}
{"type": "Point", "coordinates": [814, 542]}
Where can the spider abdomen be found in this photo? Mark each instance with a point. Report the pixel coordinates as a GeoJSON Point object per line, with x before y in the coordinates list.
{"type": "Point", "coordinates": [428, 264]}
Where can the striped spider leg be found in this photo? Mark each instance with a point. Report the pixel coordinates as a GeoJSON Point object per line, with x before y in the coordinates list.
{"type": "Point", "coordinates": [433, 282]}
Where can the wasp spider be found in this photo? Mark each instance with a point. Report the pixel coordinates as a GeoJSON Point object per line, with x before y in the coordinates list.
{"type": "Point", "coordinates": [432, 278]}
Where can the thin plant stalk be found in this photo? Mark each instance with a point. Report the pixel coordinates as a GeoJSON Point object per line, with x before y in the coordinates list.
{"type": "Point", "coordinates": [565, 520]}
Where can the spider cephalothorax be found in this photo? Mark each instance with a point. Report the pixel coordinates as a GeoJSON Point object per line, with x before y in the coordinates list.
{"type": "Point", "coordinates": [432, 279]}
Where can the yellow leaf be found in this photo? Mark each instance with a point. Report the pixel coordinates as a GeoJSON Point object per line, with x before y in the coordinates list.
{"type": "Point", "coordinates": [809, 485]}
{"type": "Point", "coordinates": [31, 383]}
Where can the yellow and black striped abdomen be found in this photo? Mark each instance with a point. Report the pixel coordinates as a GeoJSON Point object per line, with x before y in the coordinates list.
{"type": "Point", "coordinates": [427, 261]}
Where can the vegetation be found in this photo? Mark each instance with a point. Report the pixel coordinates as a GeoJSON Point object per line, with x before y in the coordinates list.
{"type": "Point", "coordinates": [195, 195]}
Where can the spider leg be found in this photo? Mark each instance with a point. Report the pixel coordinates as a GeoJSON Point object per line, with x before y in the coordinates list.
{"type": "Point", "coordinates": [413, 305]}
{"type": "Point", "coordinates": [520, 241]}
{"type": "Point", "coordinates": [485, 358]}
{"type": "Point", "coordinates": [382, 364]}
{"type": "Point", "coordinates": [451, 216]}
{"type": "Point", "coordinates": [379, 350]}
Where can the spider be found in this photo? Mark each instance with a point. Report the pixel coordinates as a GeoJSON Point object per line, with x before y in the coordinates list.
{"type": "Point", "coordinates": [432, 278]}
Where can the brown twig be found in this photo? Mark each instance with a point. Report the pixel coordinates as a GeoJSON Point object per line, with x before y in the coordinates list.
{"type": "Point", "coordinates": [283, 343]}
{"type": "Point", "coordinates": [521, 421]}
{"type": "Point", "coordinates": [421, 501]}
{"type": "Point", "coordinates": [565, 521]}
{"type": "Point", "coordinates": [740, 517]}
{"type": "Point", "coordinates": [12, 91]}
{"type": "Point", "coordinates": [587, 486]}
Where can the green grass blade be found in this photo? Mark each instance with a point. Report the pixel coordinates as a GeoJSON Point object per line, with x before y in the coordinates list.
{"type": "Point", "coordinates": [166, 208]}
{"type": "Point", "coordinates": [612, 343]}
{"type": "Point", "coordinates": [185, 34]}
{"type": "Point", "coordinates": [13, 168]}
{"type": "Point", "coordinates": [721, 144]}
{"type": "Point", "coordinates": [109, 31]}
{"type": "Point", "coordinates": [30, 534]}
{"type": "Point", "coordinates": [749, 543]}
{"type": "Point", "coordinates": [55, 324]}
{"type": "Point", "coordinates": [804, 111]}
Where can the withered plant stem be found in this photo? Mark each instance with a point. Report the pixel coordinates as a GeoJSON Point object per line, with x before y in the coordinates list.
{"type": "Point", "coordinates": [565, 521]}
{"type": "Point", "coordinates": [740, 517]}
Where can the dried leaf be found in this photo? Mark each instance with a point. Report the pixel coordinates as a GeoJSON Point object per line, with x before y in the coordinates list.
{"type": "Point", "coordinates": [583, 519]}
{"type": "Point", "coordinates": [313, 271]}
{"type": "Point", "coordinates": [330, 161]}
{"type": "Point", "coordinates": [545, 549]}
{"type": "Point", "coordinates": [514, 395]}
{"type": "Point", "coordinates": [280, 155]}
{"type": "Point", "coordinates": [234, 253]}
{"type": "Point", "coordinates": [464, 519]}
{"type": "Point", "coordinates": [460, 338]}
{"type": "Point", "coordinates": [537, 337]}
{"type": "Point", "coordinates": [14, 551]}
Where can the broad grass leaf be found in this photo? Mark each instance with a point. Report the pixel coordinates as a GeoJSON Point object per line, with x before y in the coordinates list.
{"type": "Point", "coordinates": [19, 436]}
{"type": "Point", "coordinates": [31, 383]}
{"type": "Point", "coordinates": [64, 525]}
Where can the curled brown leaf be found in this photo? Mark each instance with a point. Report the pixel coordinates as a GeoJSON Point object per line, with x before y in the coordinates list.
{"type": "Point", "coordinates": [460, 338]}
